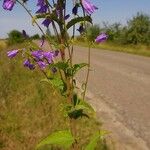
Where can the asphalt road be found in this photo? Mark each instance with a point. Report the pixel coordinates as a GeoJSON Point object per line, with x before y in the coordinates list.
{"type": "Point", "coordinates": [119, 89]}
{"type": "Point", "coordinates": [122, 82]}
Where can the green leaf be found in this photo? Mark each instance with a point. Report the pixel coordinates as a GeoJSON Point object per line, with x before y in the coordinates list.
{"type": "Point", "coordinates": [55, 82]}
{"type": "Point", "coordinates": [77, 67]}
{"type": "Point", "coordinates": [64, 139]}
{"type": "Point", "coordinates": [85, 105]}
{"type": "Point", "coordinates": [77, 20]}
{"type": "Point", "coordinates": [62, 65]}
{"type": "Point", "coordinates": [51, 16]}
{"type": "Point", "coordinates": [95, 138]}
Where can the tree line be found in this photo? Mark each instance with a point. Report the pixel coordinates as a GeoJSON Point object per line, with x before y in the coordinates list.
{"type": "Point", "coordinates": [136, 31]}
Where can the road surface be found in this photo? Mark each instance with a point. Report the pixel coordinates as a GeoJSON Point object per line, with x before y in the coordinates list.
{"type": "Point", "coordinates": [122, 82]}
{"type": "Point", "coordinates": [119, 90]}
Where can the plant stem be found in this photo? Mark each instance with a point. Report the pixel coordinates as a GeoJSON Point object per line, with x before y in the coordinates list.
{"type": "Point", "coordinates": [88, 71]}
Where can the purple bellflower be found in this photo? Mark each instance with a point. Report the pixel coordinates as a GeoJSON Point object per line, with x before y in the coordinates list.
{"type": "Point", "coordinates": [101, 38]}
{"type": "Point", "coordinates": [42, 9]}
{"type": "Point", "coordinates": [12, 53]}
{"type": "Point", "coordinates": [38, 54]}
{"type": "Point", "coordinates": [42, 64]}
{"type": "Point", "coordinates": [40, 2]}
{"type": "Point", "coordinates": [75, 9]}
{"type": "Point", "coordinates": [81, 28]}
{"type": "Point", "coordinates": [28, 64]}
{"type": "Point", "coordinates": [46, 22]}
{"type": "Point", "coordinates": [88, 7]}
{"type": "Point", "coordinates": [8, 4]}
{"type": "Point", "coordinates": [49, 57]}
{"type": "Point", "coordinates": [67, 16]}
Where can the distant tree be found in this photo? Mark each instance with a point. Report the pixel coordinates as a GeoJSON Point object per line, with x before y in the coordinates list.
{"type": "Point", "coordinates": [35, 37]}
{"type": "Point", "coordinates": [138, 29]}
{"type": "Point", "coordinates": [93, 31]}
{"type": "Point", "coordinates": [14, 37]}
{"type": "Point", "coordinates": [114, 31]}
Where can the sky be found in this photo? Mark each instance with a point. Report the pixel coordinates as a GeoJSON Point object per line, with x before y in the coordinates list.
{"type": "Point", "coordinates": [109, 11]}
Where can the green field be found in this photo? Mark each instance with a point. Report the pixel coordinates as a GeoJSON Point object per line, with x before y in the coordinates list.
{"type": "Point", "coordinates": [30, 110]}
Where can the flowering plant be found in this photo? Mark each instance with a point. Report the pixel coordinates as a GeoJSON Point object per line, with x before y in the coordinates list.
{"type": "Point", "coordinates": [57, 64]}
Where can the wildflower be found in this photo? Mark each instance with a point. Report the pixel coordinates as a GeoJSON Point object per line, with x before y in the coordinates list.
{"type": "Point", "coordinates": [101, 38]}
{"type": "Point", "coordinates": [38, 54]}
{"type": "Point", "coordinates": [66, 17]}
{"type": "Point", "coordinates": [28, 64]}
{"type": "Point", "coordinates": [12, 53]}
{"type": "Point", "coordinates": [8, 4]}
{"type": "Point", "coordinates": [42, 64]}
{"type": "Point", "coordinates": [40, 2]}
{"type": "Point", "coordinates": [88, 7]}
{"type": "Point", "coordinates": [24, 34]}
{"type": "Point", "coordinates": [49, 56]}
{"type": "Point", "coordinates": [42, 9]}
{"type": "Point", "coordinates": [81, 28]}
{"type": "Point", "coordinates": [75, 9]}
{"type": "Point", "coordinates": [46, 22]}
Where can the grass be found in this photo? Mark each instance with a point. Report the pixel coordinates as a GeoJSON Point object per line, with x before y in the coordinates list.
{"type": "Point", "coordinates": [142, 50]}
{"type": "Point", "coordinates": [30, 110]}
{"type": "Point", "coordinates": [2, 44]}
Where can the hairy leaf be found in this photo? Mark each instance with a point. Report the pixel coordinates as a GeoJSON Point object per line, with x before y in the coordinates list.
{"type": "Point", "coordinates": [77, 20]}
{"type": "Point", "coordinates": [95, 138]}
{"type": "Point", "coordinates": [77, 67]}
{"type": "Point", "coordinates": [64, 139]}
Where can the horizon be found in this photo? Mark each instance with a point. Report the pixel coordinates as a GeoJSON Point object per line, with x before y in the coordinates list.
{"type": "Point", "coordinates": [109, 12]}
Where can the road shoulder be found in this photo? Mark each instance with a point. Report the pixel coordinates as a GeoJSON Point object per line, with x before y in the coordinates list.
{"type": "Point", "coordinates": [121, 137]}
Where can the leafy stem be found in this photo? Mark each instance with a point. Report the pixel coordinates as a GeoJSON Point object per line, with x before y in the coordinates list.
{"type": "Point", "coordinates": [88, 70]}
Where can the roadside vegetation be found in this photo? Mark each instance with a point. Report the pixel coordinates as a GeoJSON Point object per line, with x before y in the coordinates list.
{"type": "Point", "coordinates": [2, 44]}
{"type": "Point", "coordinates": [30, 109]}
{"type": "Point", "coordinates": [131, 38]}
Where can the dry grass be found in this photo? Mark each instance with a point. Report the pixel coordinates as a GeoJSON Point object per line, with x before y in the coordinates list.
{"type": "Point", "coordinates": [143, 50]}
{"type": "Point", "coordinates": [2, 44]}
{"type": "Point", "coordinates": [29, 109]}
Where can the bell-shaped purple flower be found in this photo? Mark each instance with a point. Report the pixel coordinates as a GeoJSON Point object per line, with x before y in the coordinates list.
{"type": "Point", "coordinates": [38, 54]}
{"type": "Point", "coordinates": [81, 28]}
{"type": "Point", "coordinates": [12, 53]}
{"type": "Point", "coordinates": [66, 17]}
{"type": "Point", "coordinates": [75, 9]}
{"type": "Point", "coordinates": [25, 34]}
{"type": "Point", "coordinates": [40, 2]}
{"type": "Point", "coordinates": [28, 64]}
{"type": "Point", "coordinates": [101, 38]}
{"type": "Point", "coordinates": [88, 7]}
{"type": "Point", "coordinates": [8, 4]}
{"type": "Point", "coordinates": [49, 56]}
{"type": "Point", "coordinates": [46, 22]}
{"type": "Point", "coordinates": [42, 9]}
{"type": "Point", "coordinates": [42, 64]}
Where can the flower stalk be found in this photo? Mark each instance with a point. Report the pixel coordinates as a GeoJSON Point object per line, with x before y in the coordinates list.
{"type": "Point", "coordinates": [58, 68]}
